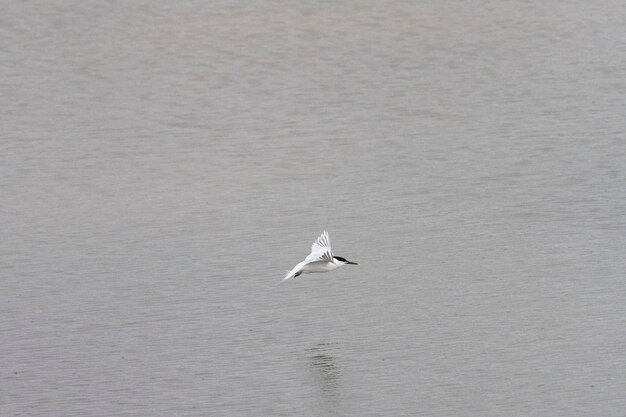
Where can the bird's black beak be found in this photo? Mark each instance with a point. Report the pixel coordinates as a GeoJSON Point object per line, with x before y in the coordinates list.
{"type": "Point", "coordinates": [351, 263]}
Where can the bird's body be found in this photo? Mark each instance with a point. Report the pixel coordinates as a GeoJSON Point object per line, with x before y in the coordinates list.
{"type": "Point", "coordinates": [321, 259]}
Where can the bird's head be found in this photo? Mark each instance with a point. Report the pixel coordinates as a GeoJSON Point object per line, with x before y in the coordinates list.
{"type": "Point", "coordinates": [343, 261]}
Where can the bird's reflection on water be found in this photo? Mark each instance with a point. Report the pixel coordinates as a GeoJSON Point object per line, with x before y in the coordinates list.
{"type": "Point", "coordinates": [326, 374]}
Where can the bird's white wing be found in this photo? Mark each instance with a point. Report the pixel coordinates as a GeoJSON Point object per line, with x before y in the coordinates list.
{"type": "Point", "coordinates": [320, 250]}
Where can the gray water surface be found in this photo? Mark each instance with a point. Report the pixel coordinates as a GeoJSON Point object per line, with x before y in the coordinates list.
{"type": "Point", "coordinates": [163, 163]}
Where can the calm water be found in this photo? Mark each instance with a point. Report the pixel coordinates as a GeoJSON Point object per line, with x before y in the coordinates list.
{"type": "Point", "coordinates": [163, 163]}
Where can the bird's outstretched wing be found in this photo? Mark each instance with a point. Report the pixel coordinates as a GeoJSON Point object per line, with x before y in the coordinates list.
{"type": "Point", "coordinates": [320, 250]}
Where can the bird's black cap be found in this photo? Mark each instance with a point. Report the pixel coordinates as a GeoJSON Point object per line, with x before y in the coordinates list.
{"type": "Point", "coordinates": [339, 258]}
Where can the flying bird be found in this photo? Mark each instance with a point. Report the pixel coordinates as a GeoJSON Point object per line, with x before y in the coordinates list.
{"type": "Point", "coordinates": [321, 259]}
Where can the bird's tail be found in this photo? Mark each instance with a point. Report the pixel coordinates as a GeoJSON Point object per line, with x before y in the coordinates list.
{"type": "Point", "coordinates": [294, 271]}
{"type": "Point", "coordinates": [288, 274]}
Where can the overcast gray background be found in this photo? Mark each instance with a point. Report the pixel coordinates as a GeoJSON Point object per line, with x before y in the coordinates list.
{"type": "Point", "coordinates": [163, 163]}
